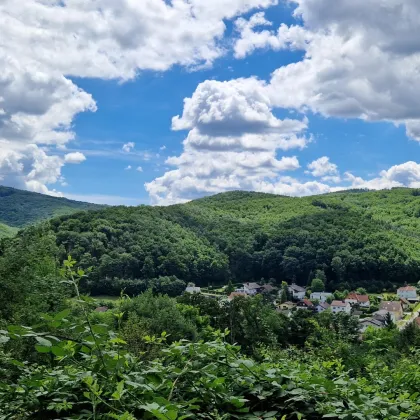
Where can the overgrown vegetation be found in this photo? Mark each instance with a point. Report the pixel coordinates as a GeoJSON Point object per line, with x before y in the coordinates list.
{"type": "Point", "coordinates": [156, 357]}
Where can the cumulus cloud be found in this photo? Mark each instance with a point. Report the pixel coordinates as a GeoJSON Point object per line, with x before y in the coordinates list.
{"type": "Point", "coordinates": [294, 37]}
{"type": "Point", "coordinates": [75, 157]}
{"type": "Point", "coordinates": [232, 143]}
{"type": "Point", "coordinates": [360, 61]}
{"type": "Point", "coordinates": [404, 175]}
{"type": "Point", "coordinates": [139, 169]}
{"type": "Point", "coordinates": [128, 168]}
{"type": "Point", "coordinates": [46, 42]}
{"type": "Point", "coordinates": [324, 169]}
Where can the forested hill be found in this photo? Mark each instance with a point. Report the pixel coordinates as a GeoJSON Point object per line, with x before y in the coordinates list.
{"type": "Point", "coordinates": [20, 208]}
{"type": "Point", "coordinates": [355, 238]}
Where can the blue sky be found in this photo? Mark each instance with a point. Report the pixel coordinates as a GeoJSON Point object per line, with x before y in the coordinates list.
{"type": "Point", "coordinates": [329, 75]}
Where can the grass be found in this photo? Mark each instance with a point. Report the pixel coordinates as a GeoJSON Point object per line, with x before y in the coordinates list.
{"type": "Point", "coordinates": [106, 298]}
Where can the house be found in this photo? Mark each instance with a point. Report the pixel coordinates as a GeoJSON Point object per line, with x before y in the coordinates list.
{"type": "Point", "coordinates": [323, 306]}
{"type": "Point", "coordinates": [193, 289]}
{"type": "Point", "coordinates": [356, 299]}
{"type": "Point", "coordinates": [268, 288]}
{"type": "Point", "coordinates": [321, 296]}
{"type": "Point", "coordinates": [340, 306]}
{"type": "Point", "coordinates": [370, 322]}
{"type": "Point", "coordinates": [234, 295]}
{"type": "Point", "coordinates": [297, 292]}
{"type": "Point", "coordinates": [407, 292]}
{"type": "Point", "coordinates": [305, 304]}
{"type": "Point", "coordinates": [102, 309]}
{"type": "Point", "coordinates": [394, 308]}
{"type": "Point", "coordinates": [252, 289]}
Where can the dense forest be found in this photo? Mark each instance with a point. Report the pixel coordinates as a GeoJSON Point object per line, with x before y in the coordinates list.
{"type": "Point", "coordinates": [356, 238]}
{"type": "Point", "coordinates": [20, 208]}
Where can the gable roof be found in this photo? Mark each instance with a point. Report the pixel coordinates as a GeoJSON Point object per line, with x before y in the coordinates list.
{"type": "Point", "coordinates": [252, 286]}
{"type": "Point", "coordinates": [297, 288]}
{"type": "Point", "coordinates": [338, 303]}
{"type": "Point", "coordinates": [390, 306]}
{"type": "Point", "coordinates": [268, 287]}
{"type": "Point", "coordinates": [407, 289]}
{"type": "Point", "coordinates": [357, 297]}
{"type": "Point", "coordinates": [405, 301]}
{"type": "Point", "coordinates": [324, 305]}
{"type": "Point", "coordinates": [307, 302]}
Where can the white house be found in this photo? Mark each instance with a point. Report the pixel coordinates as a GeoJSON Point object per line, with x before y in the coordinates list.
{"type": "Point", "coordinates": [251, 289]}
{"type": "Point", "coordinates": [321, 296]}
{"type": "Point", "coordinates": [340, 306]}
{"type": "Point", "coordinates": [297, 292]}
{"type": "Point", "coordinates": [407, 292]}
{"type": "Point", "coordinates": [355, 298]}
{"type": "Point", "coordinates": [193, 289]}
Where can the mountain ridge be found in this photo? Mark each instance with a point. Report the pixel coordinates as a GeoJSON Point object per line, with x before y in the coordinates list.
{"type": "Point", "coordinates": [20, 208]}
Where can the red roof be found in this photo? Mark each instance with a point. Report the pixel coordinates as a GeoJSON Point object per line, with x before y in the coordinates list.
{"type": "Point", "coordinates": [407, 289]}
{"type": "Point", "coordinates": [358, 298]}
{"type": "Point", "coordinates": [338, 303]}
{"type": "Point", "coordinates": [307, 302]}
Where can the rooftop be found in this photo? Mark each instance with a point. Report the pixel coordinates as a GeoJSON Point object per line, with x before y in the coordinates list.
{"type": "Point", "coordinates": [338, 303]}
{"type": "Point", "coordinates": [297, 288]}
{"type": "Point", "coordinates": [390, 306]}
{"type": "Point", "coordinates": [252, 285]}
{"type": "Point", "coordinates": [407, 289]}
{"type": "Point", "coordinates": [357, 297]}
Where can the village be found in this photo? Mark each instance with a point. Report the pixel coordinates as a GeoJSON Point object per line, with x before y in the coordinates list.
{"type": "Point", "coordinates": [373, 310]}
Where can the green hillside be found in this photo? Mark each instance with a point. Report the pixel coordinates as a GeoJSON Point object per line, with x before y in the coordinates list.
{"type": "Point", "coordinates": [355, 238]}
{"type": "Point", "coordinates": [6, 231]}
{"type": "Point", "coordinates": [20, 208]}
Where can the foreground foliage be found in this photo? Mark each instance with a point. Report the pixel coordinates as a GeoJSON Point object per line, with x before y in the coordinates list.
{"type": "Point", "coordinates": [73, 365]}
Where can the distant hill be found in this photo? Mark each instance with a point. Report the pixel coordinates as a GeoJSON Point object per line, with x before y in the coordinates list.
{"type": "Point", "coordinates": [20, 208]}
{"type": "Point", "coordinates": [349, 239]}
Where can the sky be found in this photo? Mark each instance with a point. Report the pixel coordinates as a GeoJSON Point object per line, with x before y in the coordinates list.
{"type": "Point", "coordinates": [161, 102]}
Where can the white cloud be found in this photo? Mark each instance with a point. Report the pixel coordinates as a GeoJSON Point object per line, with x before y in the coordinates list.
{"type": "Point", "coordinates": [293, 37]}
{"type": "Point", "coordinates": [110, 39]}
{"type": "Point", "coordinates": [48, 41]}
{"type": "Point", "coordinates": [404, 175]}
{"type": "Point", "coordinates": [74, 157]}
{"type": "Point", "coordinates": [128, 168]}
{"type": "Point", "coordinates": [128, 147]}
{"type": "Point", "coordinates": [361, 61]}
{"type": "Point", "coordinates": [139, 169]}
{"type": "Point", "coordinates": [232, 143]}
{"type": "Point", "coordinates": [162, 147]}
{"type": "Point", "coordinates": [322, 167]}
